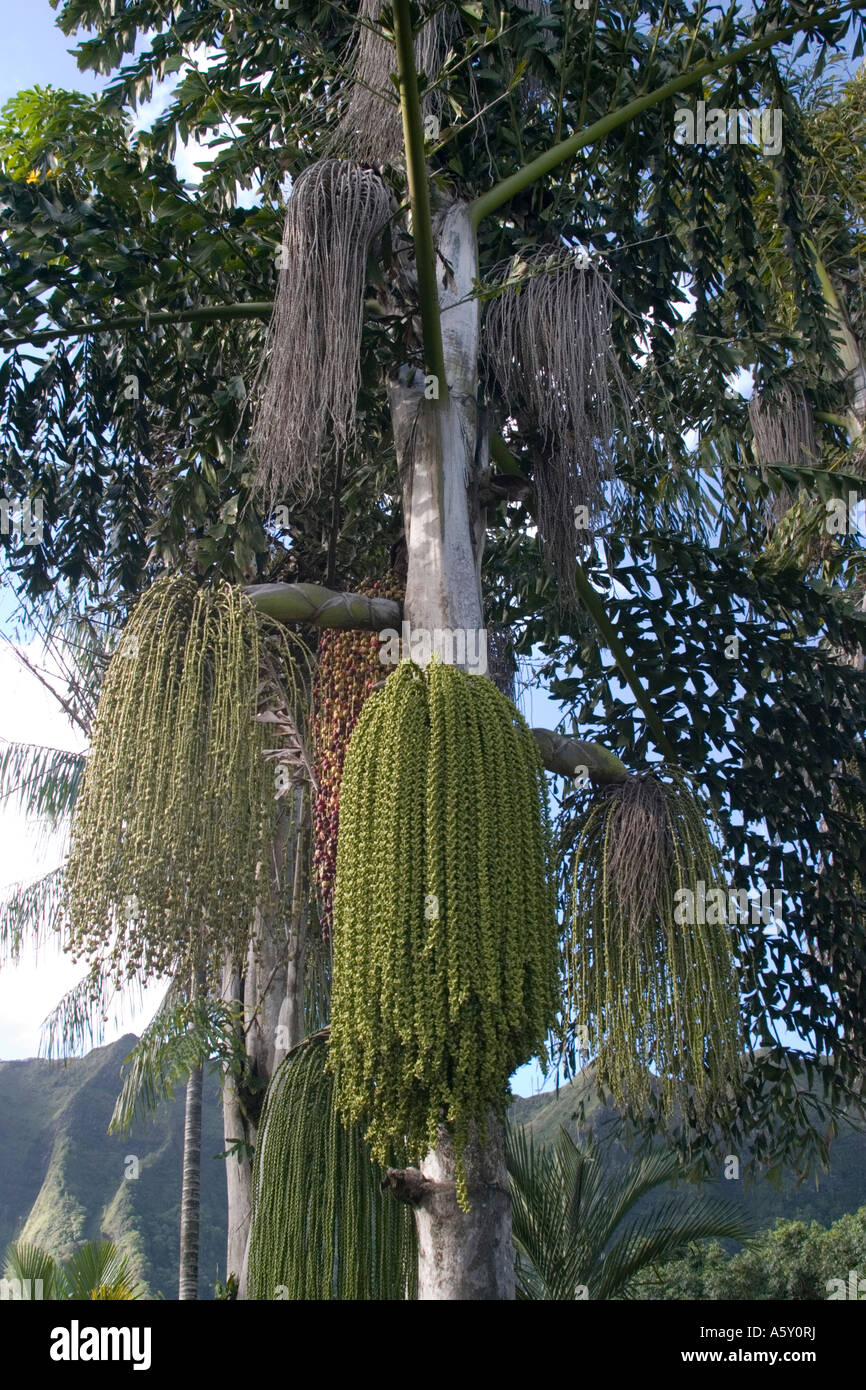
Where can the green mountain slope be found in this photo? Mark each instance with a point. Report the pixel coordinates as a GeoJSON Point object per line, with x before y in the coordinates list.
{"type": "Point", "coordinates": [64, 1180]}
{"type": "Point", "coordinates": [824, 1199]}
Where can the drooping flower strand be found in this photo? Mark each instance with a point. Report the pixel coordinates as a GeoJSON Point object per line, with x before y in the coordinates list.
{"type": "Point", "coordinates": [311, 376]}
{"type": "Point", "coordinates": [347, 670]}
{"type": "Point", "coordinates": [321, 1226]}
{"type": "Point", "coordinates": [173, 829]}
{"type": "Point", "coordinates": [650, 964]}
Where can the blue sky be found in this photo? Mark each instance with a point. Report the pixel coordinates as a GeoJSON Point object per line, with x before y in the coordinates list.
{"type": "Point", "coordinates": [35, 53]}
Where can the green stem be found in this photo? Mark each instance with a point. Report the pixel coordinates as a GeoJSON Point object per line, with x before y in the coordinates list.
{"type": "Point", "coordinates": [502, 455]}
{"type": "Point", "coordinates": [252, 309]}
{"type": "Point", "coordinates": [596, 610]}
{"type": "Point", "coordinates": [545, 163]}
{"type": "Point", "coordinates": [849, 349]}
{"type": "Point", "coordinates": [566, 756]}
{"type": "Point", "coordinates": [419, 194]}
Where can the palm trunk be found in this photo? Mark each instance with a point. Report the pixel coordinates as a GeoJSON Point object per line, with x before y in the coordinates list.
{"type": "Point", "coordinates": [462, 1255]}
{"type": "Point", "coordinates": [271, 990]}
{"type": "Point", "coordinates": [190, 1202]}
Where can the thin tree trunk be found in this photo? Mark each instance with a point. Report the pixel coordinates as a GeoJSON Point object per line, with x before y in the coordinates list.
{"type": "Point", "coordinates": [272, 993]}
{"type": "Point", "coordinates": [190, 1203]}
{"type": "Point", "coordinates": [236, 1129]}
{"type": "Point", "coordinates": [462, 1255]}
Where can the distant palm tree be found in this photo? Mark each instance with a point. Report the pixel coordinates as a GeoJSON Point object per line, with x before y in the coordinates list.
{"type": "Point", "coordinates": [97, 1270]}
{"type": "Point", "coordinates": [45, 783]}
{"type": "Point", "coordinates": [568, 1218]}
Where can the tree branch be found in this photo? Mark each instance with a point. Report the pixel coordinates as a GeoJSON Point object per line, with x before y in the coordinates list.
{"type": "Point", "coordinates": [313, 603]}
{"type": "Point", "coordinates": [205, 313]}
{"type": "Point", "coordinates": [567, 756]}
{"type": "Point", "coordinates": [407, 1185]}
{"type": "Point", "coordinates": [419, 194]}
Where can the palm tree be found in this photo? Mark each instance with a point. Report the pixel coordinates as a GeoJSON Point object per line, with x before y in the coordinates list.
{"type": "Point", "coordinates": [569, 1218]}
{"type": "Point", "coordinates": [97, 1270]}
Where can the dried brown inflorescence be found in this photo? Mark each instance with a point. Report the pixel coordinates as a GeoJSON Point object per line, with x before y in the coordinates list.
{"type": "Point", "coordinates": [550, 357]}
{"type": "Point", "coordinates": [370, 127]}
{"type": "Point", "coordinates": [311, 375]}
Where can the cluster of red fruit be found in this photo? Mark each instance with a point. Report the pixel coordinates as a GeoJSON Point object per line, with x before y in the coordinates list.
{"type": "Point", "coordinates": [349, 668]}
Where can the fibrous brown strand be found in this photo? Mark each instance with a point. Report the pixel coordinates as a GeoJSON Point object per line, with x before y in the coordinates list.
{"type": "Point", "coordinates": [784, 432]}
{"type": "Point", "coordinates": [550, 358]}
{"type": "Point", "coordinates": [308, 387]}
{"type": "Point", "coordinates": [650, 964]}
{"type": "Point", "coordinates": [370, 127]}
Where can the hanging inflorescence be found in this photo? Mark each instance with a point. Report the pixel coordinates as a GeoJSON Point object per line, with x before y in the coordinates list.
{"type": "Point", "coordinates": [312, 372]}
{"type": "Point", "coordinates": [172, 835]}
{"type": "Point", "coordinates": [321, 1226]}
{"type": "Point", "coordinates": [652, 983]}
{"type": "Point", "coordinates": [783, 429]}
{"type": "Point", "coordinates": [551, 358]}
{"type": "Point", "coordinates": [348, 669]}
{"type": "Point", "coordinates": [370, 127]}
{"type": "Point", "coordinates": [444, 914]}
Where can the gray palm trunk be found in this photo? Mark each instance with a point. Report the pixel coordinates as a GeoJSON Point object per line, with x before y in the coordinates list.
{"type": "Point", "coordinates": [190, 1203]}
{"type": "Point", "coordinates": [442, 449]}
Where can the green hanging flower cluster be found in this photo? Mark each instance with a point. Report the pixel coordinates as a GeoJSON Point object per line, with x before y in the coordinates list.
{"type": "Point", "coordinates": [445, 935]}
{"type": "Point", "coordinates": [321, 1226]}
{"type": "Point", "coordinates": [652, 982]}
{"type": "Point", "coordinates": [172, 833]}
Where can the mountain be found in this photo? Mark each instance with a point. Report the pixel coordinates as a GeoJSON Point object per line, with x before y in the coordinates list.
{"type": "Point", "coordinates": [822, 1198]}
{"type": "Point", "coordinates": [64, 1179]}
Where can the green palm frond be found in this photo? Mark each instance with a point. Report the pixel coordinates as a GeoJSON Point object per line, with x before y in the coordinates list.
{"type": "Point", "coordinates": [78, 1022]}
{"type": "Point", "coordinates": [184, 1034]}
{"type": "Point", "coordinates": [96, 1270]}
{"type": "Point", "coordinates": [569, 1218]}
{"type": "Point", "coordinates": [44, 782]}
{"type": "Point", "coordinates": [663, 1235]}
{"type": "Point", "coordinates": [99, 1270]}
{"type": "Point", "coordinates": [30, 913]}
{"type": "Point", "coordinates": [33, 1268]}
